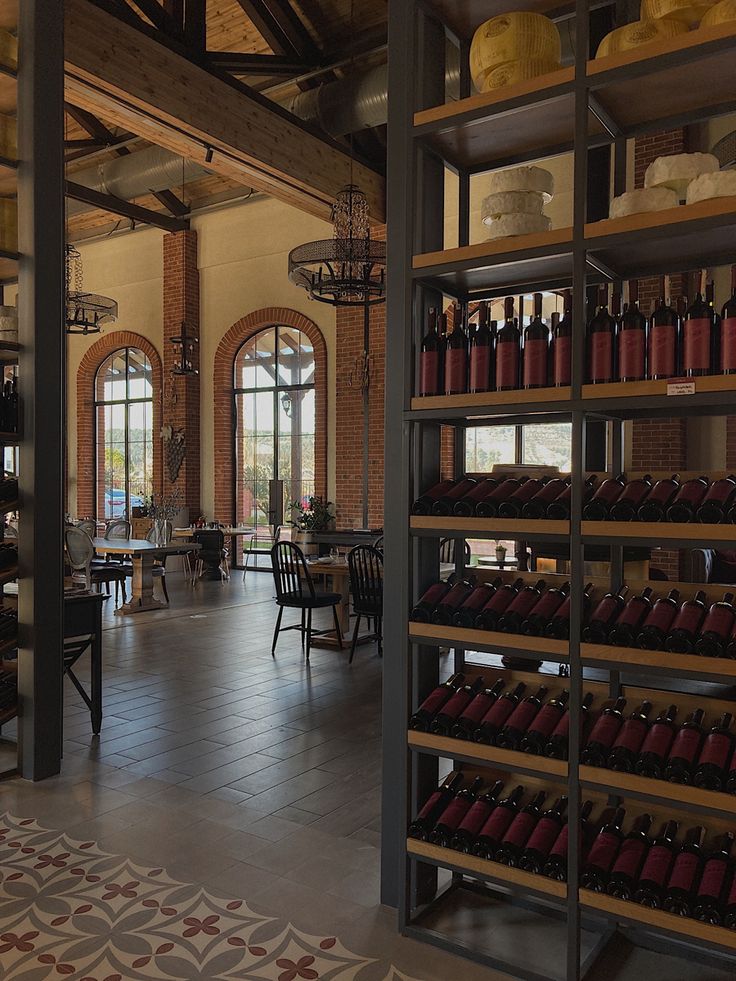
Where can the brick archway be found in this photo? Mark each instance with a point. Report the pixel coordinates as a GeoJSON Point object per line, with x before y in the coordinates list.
{"type": "Point", "coordinates": [224, 416]}
{"type": "Point", "coordinates": [88, 368]}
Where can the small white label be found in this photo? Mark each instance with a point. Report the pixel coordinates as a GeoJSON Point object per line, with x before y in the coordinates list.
{"type": "Point", "coordinates": [681, 387]}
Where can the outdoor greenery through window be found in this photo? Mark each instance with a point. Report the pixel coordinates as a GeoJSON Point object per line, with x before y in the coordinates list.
{"type": "Point", "coordinates": [547, 445]}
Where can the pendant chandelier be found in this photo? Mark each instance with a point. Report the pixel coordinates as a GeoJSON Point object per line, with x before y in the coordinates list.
{"type": "Point", "coordinates": [185, 347]}
{"type": "Point", "coordinates": [86, 313]}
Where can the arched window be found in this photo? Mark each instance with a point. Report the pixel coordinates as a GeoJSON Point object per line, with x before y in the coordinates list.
{"type": "Point", "coordinates": [124, 436]}
{"type": "Point", "coordinates": [274, 388]}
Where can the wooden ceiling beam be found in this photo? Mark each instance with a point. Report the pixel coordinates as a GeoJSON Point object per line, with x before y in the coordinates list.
{"type": "Point", "coordinates": [241, 63]}
{"type": "Point", "coordinates": [91, 124]}
{"type": "Point", "coordinates": [171, 202]}
{"type": "Point", "coordinates": [159, 16]}
{"type": "Point", "coordinates": [117, 206]}
{"type": "Point", "coordinates": [195, 25]}
{"type": "Point", "coordinates": [126, 77]}
{"type": "Point", "coordinates": [270, 27]}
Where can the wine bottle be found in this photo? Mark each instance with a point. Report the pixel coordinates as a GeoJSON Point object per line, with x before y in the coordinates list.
{"type": "Point", "coordinates": [654, 507]}
{"type": "Point", "coordinates": [712, 769]}
{"type": "Point", "coordinates": [426, 605]}
{"type": "Point", "coordinates": [496, 717]}
{"type": "Point", "coordinates": [559, 625]}
{"type": "Point", "coordinates": [448, 822]}
{"type": "Point", "coordinates": [710, 895]}
{"type": "Point", "coordinates": [497, 824]}
{"type": "Point", "coordinates": [728, 331]}
{"type": "Point", "coordinates": [434, 806]}
{"type": "Point", "coordinates": [625, 871]}
{"type": "Point", "coordinates": [730, 651]}
{"type": "Point", "coordinates": [630, 739]}
{"type": "Point", "coordinates": [656, 869]}
{"type": "Point", "coordinates": [654, 630]}
{"type": "Point", "coordinates": [465, 507]}
{"type": "Point", "coordinates": [481, 352]}
{"type": "Point", "coordinates": [601, 339]}
{"type": "Point", "coordinates": [543, 837]}
{"type": "Point", "coordinates": [536, 349]}
{"type": "Point", "coordinates": [625, 630]}
{"type": "Point", "coordinates": [657, 744]}
{"type": "Point", "coordinates": [470, 826]}
{"type": "Point", "coordinates": [605, 495]}
{"type": "Point", "coordinates": [684, 631]}
{"type": "Point", "coordinates": [729, 916]}
{"type": "Point", "coordinates": [556, 865]}
{"type": "Point", "coordinates": [685, 749]}
{"type": "Point", "coordinates": [539, 730]}
{"type": "Point", "coordinates": [489, 616]}
{"type": "Point", "coordinates": [454, 707]}
{"type": "Point", "coordinates": [562, 344]}
{"type": "Point", "coordinates": [603, 734]}
{"type": "Point", "coordinates": [697, 339]}
{"type": "Point", "coordinates": [520, 607]}
{"type": "Point", "coordinates": [430, 358]}
{"type": "Point", "coordinates": [717, 502]}
{"type": "Point", "coordinates": [508, 350]}
{"type": "Point", "coordinates": [423, 504]}
{"type": "Point", "coordinates": [465, 616]}
{"type": "Point", "coordinates": [537, 507]}
{"type": "Point", "coordinates": [514, 841]}
{"type": "Point", "coordinates": [603, 853]}
{"type": "Point", "coordinates": [556, 747]}
{"type": "Point", "coordinates": [604, 616]}
{"type": "Point", "coordinates": [559, 509]}
{"type": "Point", "coordinates": [488, 507]}
{"type": "Point", "coordinates": [687, 500]}
{"type": "Point", "coordinates": [716, 629]}
{"type": "Point", "coordinates": [549, 603]}
{"type": "Point", "coordinates": [632, 339]}
{"type": "Point", "coordinates": [444, 504]}
{"type": "Point", "coordinates": [664, 339]}
{"type": "Point", "coordinates": [512, 733]}
{"type": "Point", "coordinates": [434, 701]}
{"type": "Point", "coordinates": [456, 355]}
{"type": "Point", "coordinates": [451, 602]}
{"type": "Point", "coordinates": [512, 507]}
{"type": "Point", "coordinates": [680, 890]}
{"type": "Point", "coordinates": [473, 715]}
{"type": "Point", "coordinates": [632, 496]}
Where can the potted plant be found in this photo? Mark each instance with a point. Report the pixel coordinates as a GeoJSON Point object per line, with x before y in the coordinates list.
{"type": "Point", "coordinates": [500, 552]}
{"type": "Point", "coordinates": [311, 515]}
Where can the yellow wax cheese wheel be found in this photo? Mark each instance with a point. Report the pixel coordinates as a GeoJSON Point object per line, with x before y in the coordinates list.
{"type": "Point", "coordinates": [511, 202]}
{"type": "Point", "coordinates": [640, 32]}
{"type": "Point", "coordinates": [722, 13]}
{"type": "Point", "coordinates": [506, 225]}
{"type": "Point", "coordinates": [8, 137]}
{"type": "Point", "coordinates": [8, 50]}
{"type": "Point", "coordinates": [643, 200]}
{"type": "Point", "coordinates": [721, 184]}
{"type": "Point", "coordinates": [8, 224]}
{"type": "Point", "coordinates": [689, 11]}
{"type": "Point", "coordinates": [522, 179]}
{"type": "Point", "coordinates": [513, 72]}
{"type": "Point", "coordinates": [513, 37]}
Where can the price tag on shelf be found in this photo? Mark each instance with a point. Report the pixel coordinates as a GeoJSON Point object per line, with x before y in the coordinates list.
{"type": "Point", "coordinates": [681, 386]}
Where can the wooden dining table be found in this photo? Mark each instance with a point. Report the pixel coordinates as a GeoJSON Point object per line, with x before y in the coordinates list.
{"type": "Point", "coordinates": [143, 554]}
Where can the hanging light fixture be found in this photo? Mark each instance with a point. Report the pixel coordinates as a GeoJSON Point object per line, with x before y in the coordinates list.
{"type": "Point", "coordinates": [184, 359]}
{"type": "Point", "coordinates": [86, 313]}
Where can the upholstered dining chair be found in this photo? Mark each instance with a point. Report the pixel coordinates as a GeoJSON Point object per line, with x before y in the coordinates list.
{"type": "Point", "coordinates": [80, 552]}
{"type": "Point", "coordinates": [295, 590]}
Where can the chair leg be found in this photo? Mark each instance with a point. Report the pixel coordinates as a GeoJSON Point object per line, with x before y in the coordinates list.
{"type": "Point", "coordinates": [276, 631]}
{"type": "Point", "coordinates": [309, 631]}
{"type": "Point", "coordinates": [122, 589]}
{"type": "Point", "coordinates": [303, 629]}
{"type": "Point", "coordinates": [338, 629]}
{"type": "Point", "coordinates": [379, 632]}
{"type": "Point", "coordinates": [355, 639]}
{"type": "Point", "coordinates": [163, 586]}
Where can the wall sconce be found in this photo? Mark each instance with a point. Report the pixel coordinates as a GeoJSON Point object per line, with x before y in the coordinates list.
{"type": "Point", "coordinates": [184, 360]}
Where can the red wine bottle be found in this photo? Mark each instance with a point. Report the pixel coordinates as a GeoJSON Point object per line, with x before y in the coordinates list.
{"type": "Point", "coordinates": [456, 355]}
{"type": "Point", "coordinates": [712, 769]}
{"type": "Point", "coordinates": [454, 707]}
{"type": "Point", "coordinates": [604, 616]}
{"type": "Point", "coordinates": [601, 340]}
{"type": "Point", "coordinates": [465, 616]}
{"type": "Point", "coordinates": [684, 631]}
{"type": "Point", "coordinates": [537, 506]}
{"type": "Point", "coordinates": [520, 607]}
{"type": "Point", "coordinates": [655, 750]}
{"type": "Point", "coordinates": [604, 497]}
{"type": "Point", "coordinates": [717, 502]}
{"type": "Point", "coordinates": [434, 806]}
{"type": "Point", "coordinates": [624, 875]}
{"type": "Point", "coordinates": [512, 507]}
{"type": "Point", "coordinates": [536, 349]}
{"type": "Point", "coordinates": [657, 866]}
{"type": "Point", "coordinates": [423, 504]}
{"type": "Point", "coordinates": [540, 729]}
{"type": "Point", "coordinates": [729, 916]}
{"type": "Point", "coordinates": [629, 621]}
{"type": "Point", "coordinates": [632, 496]}
{"type": "Point", "coordinates": [514, 841]}
{"type": "Point", "coordinates": [632, 339]}
{"type": "Point", "coordinates": [430, 358]}
{"type": "Point", "coordinates": [433, 703]}
{"type": "Point", "coordinates": [680, 891]}
{"type": "Point", "coordinates": [728, 331]}
{"type": "Point", "coordinates": [658, 499]}
{"type": "Point", "coordinates": [687, 500]}
{"type": "Point", "coordinates": [603, 734]}
{"type": "Point", "coordinates": [491, 613]}
{"type": "Point", "coordinates": [451, 602]}
{"type": "Point", "coordinates": [562, 344]}
{"type": "Point", "coordinates": [559, 625]}
{"type": "Point", "coordinates": [448, 822]}
{"type": "Point", "coordinates": [556, 747]}
{"type": "Point", "coordinates": [508, 350]}
{"type": "Point", "coordinates": [476, 711]}
{"type": "Point", "coordinates": [710, 897]}
{"type": "Point", "coordinates": [603, 853]}
{"type": "Point", "coordinates": [559, 509]}
{"type": "Point", "coordinates": [470, 826]}
{"type": "Point", "coordinates": [556, 865]}
{"type": "Point", "coordinates": [545, 834]}
{"type": "Point", "coordinates": [660, 618]}
{"type": "Point", "coordinates": [716, 629]}
{"type": "Point", "coordinates": [549, 603]}
{"type": "Point", "coordinates": [497, 716]}
{"type": "Point", "coordinates": [488, 507]}
{"type": "Point", "coordinates": [512, 733]}
{"type": "Point", "coordinates": [630, 739]}
{"type": "Point", "coordinates": [426, 605]}
{"type": "Point", "coordinates": [481, 353]}
{"type": "Point", "coordinates": [664, 339]}
{"type": "Point", "coordinates": [497, 824]}
{"type": "Point", "coordinates": [685, 749]}
{"type": "Point", "coordinates": [465, 507]}
{"type": "Point", "coordinates": [697, 339]}
{"type": "Point", "coordinates": [730, 651]}
{"type": "Point", "coordinates": [444, 504]}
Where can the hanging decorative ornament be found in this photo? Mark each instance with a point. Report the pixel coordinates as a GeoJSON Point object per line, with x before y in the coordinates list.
{"type": "Point", "coordinates": [86, 313]}
{"type": "Point", "coordinates": [185, 358]}
{"type": "Point", "coordinates": [175, 448]}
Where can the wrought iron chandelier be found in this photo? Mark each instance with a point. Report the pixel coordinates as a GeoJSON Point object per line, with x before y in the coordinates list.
{"type": "Point", "coordinates": [86, 313]}
{"type": "Point", "coordinates": [184, 357]}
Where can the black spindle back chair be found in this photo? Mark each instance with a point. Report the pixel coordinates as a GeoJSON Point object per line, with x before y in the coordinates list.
{"type": "Point", "coordinates": [365, 563]}
{"type": "Point", "coordinates": [295, 589]}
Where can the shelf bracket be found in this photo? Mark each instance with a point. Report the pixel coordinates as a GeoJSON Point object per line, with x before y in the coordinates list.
{"type": "Point", "coordinates": [603, 116]}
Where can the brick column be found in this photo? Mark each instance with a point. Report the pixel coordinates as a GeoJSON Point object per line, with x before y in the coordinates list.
{"type": "Point", "coordinates": [181, 393]}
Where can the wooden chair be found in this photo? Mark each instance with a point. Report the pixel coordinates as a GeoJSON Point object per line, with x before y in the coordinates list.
{"type": "Point", "coordinates": [295, 589]}
{"type": "Point", "coordinates": [117, 529]}
{"type": "Point", "coordinates": [260, 543]}
{"type": "Point", "coordinates": [212, 552]}
{"type": "Point", "coordinates": [89, 525]}
{"type": "Point", "coordinates": [365, 564]}
{"type": "Point", "coordinates": [80, 551]}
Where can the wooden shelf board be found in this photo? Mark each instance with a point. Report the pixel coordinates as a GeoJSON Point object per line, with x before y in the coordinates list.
{"type": "Point", "coordinates": [511, 527]}
{"type": "Point", "coordinates": [508, 400]}
{"type": "Point", "coordinates": [9, 15]}
{"type": "Point", "coordinates": [653, 531]}
{"type": "Point", "coordinates": [8, 91]}
{"type": "Point", "coordinates": [659, 790]}
{"type": "Point", "coordinates": [7, 506]}
{"type": "Point", "coordinates": [463, 17]}
{"type": "Point", "coordinates": [658, 660]}
{"type": "Point", "coordinates": [479, 753]}
{"type": "Point", "coordinates": [643, 389]}
{"type": "Point", "coordinates": [502, 874]}
{"type": "Point", "coordinates": [469, 638]}
{"type": "Point", "coordinates": [496, 248]}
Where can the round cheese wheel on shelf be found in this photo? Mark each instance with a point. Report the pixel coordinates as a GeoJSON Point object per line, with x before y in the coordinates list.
{"type": "Point", "coordinates": [513, 72]}
{"type": "Point", "coordinates": [518, 224]}
{"type": "Point", "coordinates": [643, 200]}
{"type": "Point", "coordinates": [511, 202]}
{"type": "Point", "coordinates": [722, 13]}
{"type": "Point", "coordinates": [522, 179]}
{"type": "Point", "coordinates": [689, 11]}
{"type": "Point", "coordinates": [8, 50]}
{"type": "Point", "coordinates": [676, 171]}
{"type": "Point", "coordinates": [511, 37]}
{"type": "Point", "coordinates": [640, 32]}
{"type": "Point", "coordinates": [719, 185]}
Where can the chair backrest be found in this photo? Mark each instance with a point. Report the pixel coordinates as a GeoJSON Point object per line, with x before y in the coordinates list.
{"type": "Point", "coordinates": [168, 533]}
{"type": "Point", "coordinates": [379, 544]}
{"type": "Point", "coordinates": [89, 525]}
{"type": "Point", "coordinates": [365, 564]}
{"type": "Point", "coordinates": [10, 531]}
{"type": "Point", "coordinates": [290, 572]}
{"type": "Point", "coordinates": [79, 549]}
{"type": "Point", "coordinates": [447, 550]}
{"type": "Point", "coordinates": [117, 529]}
{"type": "Point", "coordinates": [211, 539]}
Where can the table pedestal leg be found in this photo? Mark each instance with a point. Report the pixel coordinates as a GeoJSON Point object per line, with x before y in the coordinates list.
{"type": "Point", "coordinates": [141, 598]}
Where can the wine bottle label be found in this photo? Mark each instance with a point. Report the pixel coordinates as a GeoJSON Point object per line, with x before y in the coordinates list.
{"type": "Point", "coordinates": [605, 729]}
{"type": "Point", "coordinates": [455, 812]}
{"type": "Point", "coordinates": [431, 803]}
{"type": "Point", "coordinates": [429, 375]}
{"type": "Point", "coordinates": [605, 609]}
{"type": "Point", "coordinates": [562, 729]}
{"type": "Point", "coordinates": [476, 817]}
{"type": "Point", "coordinates": [608, 491]}
{"type": "Point", "coordinates": [716, 750]}
{"type": "Point", "coordinates": [658, 740]}
{"type": "Point", "coordinates": [477, 708]}
{"type": "Point", "coordinates": [480, 366]}
{"type": "Point", "coordinates": [719, 620]}
{"type": "Point", "coordinates": [633, 613]}
{"type": "Point", "coordinates": [457, 596]}
{"type": "Point", "coordinates": [684, 871]}
{"type": "Point", "coordinates": [657, 865]}
{"type": "Point", "coordinates": [501, 600]}
{"type": "Point", "coordinates": [631, 344]}
{"type": "Point", "coordinates": [662, 351]}
{"type": "Point", "coordinates": [499, 712]}
{"type": "Point", "coordinates": [686, 745]}
{"type": "Point", "coordinates": [436, 699]}
{"type": "Point", "coordinates": [728, 344]}
{"type": "Point", "coordinates": [518, 833]}
{"type": "Point", "coordinates": [562, 360]}
{"type": "Point", "coordinates": [544, 835]}
{"type": "Point", "coordinates": [524, 602]}
{"type": "Point", "coordinates": [731, 901]}
{"type": "Point", "coordinates": [696, 344]}
{"type": "Point", "coordinates": [564, 611]}
{"type": "Point", "coordinates": [714, 876]}
{"type": "Point", "coordinates": [522, 716]}
{"type": "Point", "coordinates": [456, 370]}
{"type": "Point", "coordinates": [630, 856]}
{"type": "Point", "coordinates": [549, 603]}
{"type": "Point", "coordinates": [689, 617]}
{"type": "Point", "coordinates": [601, 356]}
{"type": "Point", "coordinates": [478, 598]}
{"type": "Point", "coordinates": [631, 735]}
{"type": "Point", "coordinates": [692, 492]}
{"type": "Point", "coordinates": [662, 491]}
{"type": "Point", "coordinates": [507, 365]}
{"type": "Point", "coordinates": [604, 851]}
{"type": "Point", "coordinates": [498, 823]}
{"type": "Point", "coordinates": [661, 616]}
{"type": "Point", "coordinates": [535, 362]}
{"type": "Point", "coordinates": [547, 720]}
{"type": "Point", "coordinates": [457, 704]}
{"type": "Point", "coordinates": [719, 490]}
{"type": "Point", "coordinates": [434, 594]}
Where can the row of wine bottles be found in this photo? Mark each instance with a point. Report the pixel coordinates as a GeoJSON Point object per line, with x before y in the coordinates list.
{"type": "Point", "coordinates": [689, 340]}
{"type": "Point", "coordinates": [9, 409]}
{"type": "Point", "coordinates": [617, 498]}
{"type": "Point", "coordinates": [685, 878]}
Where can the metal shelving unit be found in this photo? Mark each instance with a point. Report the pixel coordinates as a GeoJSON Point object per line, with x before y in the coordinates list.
{"type": "Point", "coordinates": [581, 109]}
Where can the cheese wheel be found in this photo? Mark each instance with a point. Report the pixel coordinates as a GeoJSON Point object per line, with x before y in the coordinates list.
{"type": "Point", "coordinates": [522, 179]}
{"type": "Point", "coordinates": [640, 32]}
{"type": "Point", "coordinates": [513, 37]}
{"type": "Point", "coordinates": [511, 202]}
{"type": "Point", "coordinates": [719, 185]}
{"type": "Point", "coordinates": [8, 50]}
{"type": "Point", "coordinates": [513, 72]}
{"type": "Point", "coordinates": [722, 13]}
{"type": "Point", "coordinates": [689, 11]}
{"type": "Point", "coordinates": [640, 201]}
{"type": "Point", "coordinates": [518, 224]}
{"type": "Point", "coordinates": [8, 224]}
{"type": "Point", "coordinates": [8, 137]}
{"type": "Point", "coordinates": [676, 171]}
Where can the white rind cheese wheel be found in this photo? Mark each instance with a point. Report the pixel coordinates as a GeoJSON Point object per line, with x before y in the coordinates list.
{"type": "Point", "coordinates": [719, 185]}
{"type": "Point", "coordinates": [639, 33]}
{"type": "Point", "coordinates": [511, 37]}
{"type": "Point", "coordinates": [678, 170]}
{"type": "Point", "coordinates": [523, 179]}
{"type": "Point", "coordinates": [517, 224]}
{"type": "Point", "coordinates": [8, 137]}
{"type": "Point", "coordinates": [511, 202]}
{"type": "Point", "coordinates": [514, 72]}
{"type": "Point", "coordinates": [643, 200]}
{"type": "Point", "coordinates": [689, 11]}
{"type": "Point", "coordinates": [722, 13]}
